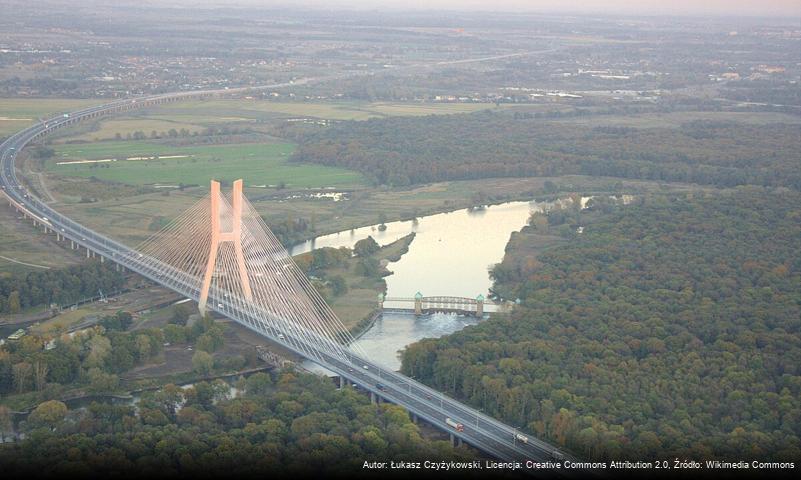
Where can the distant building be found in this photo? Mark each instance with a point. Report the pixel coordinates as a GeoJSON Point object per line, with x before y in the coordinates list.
{"type": "Point", "coordinates": [17, 335]}
{"type": "Point", "coordinates": [770, 69]}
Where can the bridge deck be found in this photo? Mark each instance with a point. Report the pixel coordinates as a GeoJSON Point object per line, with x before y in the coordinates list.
{"type": "Point", "coordinates": [481, 431]}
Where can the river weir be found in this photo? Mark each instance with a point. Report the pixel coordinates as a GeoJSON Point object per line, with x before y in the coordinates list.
{"type": "Point", "coordinates": [451, 255]}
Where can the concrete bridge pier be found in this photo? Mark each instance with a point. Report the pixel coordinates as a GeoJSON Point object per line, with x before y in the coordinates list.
{"type": "Point", "coordinates": [421, 305]}
{"type": "Point", "coordinates": [341, 382]}
{"type": "Point", "coordinates": [414, 419]}
{"type": "Point", "coordinates": [455, 441]}
{"type": "Point", "coordinates": [418, 303]}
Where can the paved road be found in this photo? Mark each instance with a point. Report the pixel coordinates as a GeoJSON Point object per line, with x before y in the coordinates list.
{"type": "Point", "coordinates": [481, 431]}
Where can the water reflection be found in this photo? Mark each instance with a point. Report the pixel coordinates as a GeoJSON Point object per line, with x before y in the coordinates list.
{"type": "Point", "coordinates": [394, 331]}
{"type": "Point", "coordinates": [450, 256]}
{"type": "Point", "coordinates": [450, 253]}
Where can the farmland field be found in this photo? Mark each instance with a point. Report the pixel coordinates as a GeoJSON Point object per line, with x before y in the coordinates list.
{"type": "Point", "coordinates": [108, 128]}
{"type": "Point", "coordinates": [18, 113]}
{"type": "Point", "coordinates": [258, 164]}
{"type": "Point", "coordinates": [194, 116]}
{"type": "Point", "coordinates": [227, 110]}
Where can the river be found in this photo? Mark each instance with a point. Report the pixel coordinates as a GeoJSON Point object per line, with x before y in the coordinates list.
{"type": "Point", "coordinates": [450, 255]}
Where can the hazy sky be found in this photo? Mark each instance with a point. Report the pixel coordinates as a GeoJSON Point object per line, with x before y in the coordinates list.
{"type": "Point", "coordinates": [683, 7]}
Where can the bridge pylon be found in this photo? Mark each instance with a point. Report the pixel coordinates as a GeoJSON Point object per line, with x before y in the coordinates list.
{"type": "Point", "coordinates": [219, 236]}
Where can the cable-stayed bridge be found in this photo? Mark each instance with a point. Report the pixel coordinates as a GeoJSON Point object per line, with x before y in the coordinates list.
{"type": "Point", "coordinates": [221, 254]}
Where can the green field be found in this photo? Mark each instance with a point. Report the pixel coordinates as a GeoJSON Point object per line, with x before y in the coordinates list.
{"type": "Point", "coordinates": [195, 116]}
{"type": "Point", "coordinates": [109, 128]}
{"type": "Point", "coordinates": [18, 113]}
{"type": "Point", "coordinates": [240, 110]}
{"type": "Point", "coordinates": [257, 164]}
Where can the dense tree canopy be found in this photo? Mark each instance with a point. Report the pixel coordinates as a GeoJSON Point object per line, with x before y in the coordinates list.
{"type": "Point", "coordinates": [61, 286]}
{"type": "Point", "coordinates": [670, 328]}
{"type": "Point", "coordinates": [92, 358]}
{"type": "Point", "coordinates": [300, 425]}
{"type": "Point", "coordinates": [402, 151]}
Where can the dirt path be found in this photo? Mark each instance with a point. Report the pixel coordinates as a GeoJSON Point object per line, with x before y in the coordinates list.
{"type": "Point", "coordinates": [23, 263]}
{"type": "Point", "coordinates": [46, 191]}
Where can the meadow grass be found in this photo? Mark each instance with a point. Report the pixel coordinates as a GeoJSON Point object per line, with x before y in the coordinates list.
{"type": "Point", "coordinates": [108, 129]}
{"type": "Point", "coordinates": [256, 163]}
{"type": "Point", "coordinates": [233, 110]}
{"type": "Point", "coordinates": [21, 242]}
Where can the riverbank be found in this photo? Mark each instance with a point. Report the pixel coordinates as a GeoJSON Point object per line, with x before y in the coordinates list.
{"type": "Point", "coordinates": [357, 306]}
{"type": "Point", "coordinates": [393, 254]}
{"type": "Point", "coordinates": [122, 218]}
{"type": "Point", "coordinates": [407, 203]}
{"type": "Point", "coordinates": [366, 324]}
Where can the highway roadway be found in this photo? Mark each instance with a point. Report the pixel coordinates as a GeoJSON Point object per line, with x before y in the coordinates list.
{"type": "Point", "coordinates": [481, 431]}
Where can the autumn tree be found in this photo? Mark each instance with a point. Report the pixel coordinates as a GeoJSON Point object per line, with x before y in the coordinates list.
{"type": "Point", "coordinates": [48, 414]}
{"type": "Point", "coordinates": [202, 362]}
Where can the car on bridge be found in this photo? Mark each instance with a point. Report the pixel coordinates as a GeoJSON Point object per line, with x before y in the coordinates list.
{"type": "Point", "coordinates": [490, 436]}
{"type": "Point", "coordinates": [455, 425]}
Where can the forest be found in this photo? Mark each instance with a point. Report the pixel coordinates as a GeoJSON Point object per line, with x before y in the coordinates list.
{"type": "Point", "coordinates": [287, 423]}
{"type": "Point", "coordinates": [92, 360]}
{"type": "Point", "coordinates": [62, 286]}
{"type": "Point", "coordinates": [667, 328]}
{"type": "Point", "coordinates": [402, 151]}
